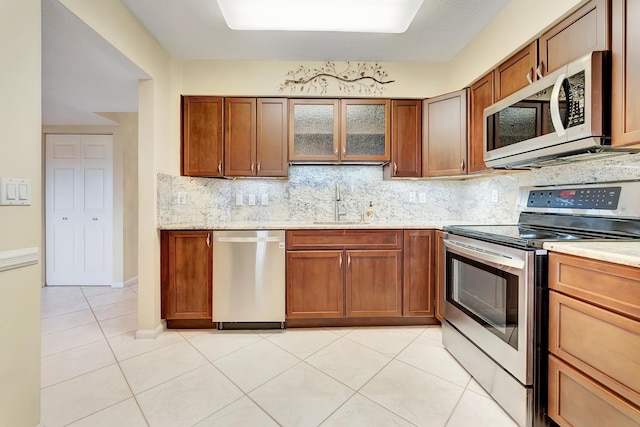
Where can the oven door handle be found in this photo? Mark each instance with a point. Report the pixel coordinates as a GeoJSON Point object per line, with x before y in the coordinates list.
{"type": "Point", "coordinates": [485, 256]}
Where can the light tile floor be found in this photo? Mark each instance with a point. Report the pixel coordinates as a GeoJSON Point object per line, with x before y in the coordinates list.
{"type": "Point", "coordinates": [95, 373]}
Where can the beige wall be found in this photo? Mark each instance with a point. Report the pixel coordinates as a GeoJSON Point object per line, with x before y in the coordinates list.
{"type": "Point", "coordinates": [128, 135]}
{"type": "Point", "coordinates": [156, 138]}
{"type": "Point", "coordinates": [263, 78]}
{"type": "Point", "coordinates": [512, 29]}
{"type": "Point", "coordinates": [20, 142]}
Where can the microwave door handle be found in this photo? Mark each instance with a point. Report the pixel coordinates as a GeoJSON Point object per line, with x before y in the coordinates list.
{"type": "Point", "coordinates": [555, 106]}
{"type": "Point", "coordinates": [484, 256]}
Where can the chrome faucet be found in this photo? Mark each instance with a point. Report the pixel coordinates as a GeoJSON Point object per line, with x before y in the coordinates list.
{"type": "Point", "coordinates": [337, 211]}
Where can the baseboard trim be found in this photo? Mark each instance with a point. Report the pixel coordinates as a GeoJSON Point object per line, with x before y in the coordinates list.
{"type": "Point", "coordinates": [18, 258]}
{"type": "Point", "coordinates": [88, 285]}
{"type": "Point", "coordinates": [151, 333]}
{"type": "Point", "coordinates": [131, 282]}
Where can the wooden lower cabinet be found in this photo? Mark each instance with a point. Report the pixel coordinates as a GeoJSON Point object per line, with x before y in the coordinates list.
{"type": "Point", "coordinates": [315, 284]}
{"type": "Point", "coordinates": [439, 276]}
{"type": "Point", "coordinates": [578, 401]}
{"type": "Point", "coordinates": [373, 283]}
{"type": "Point", "coordinates": [418, 278]}
{"type": "Point", "coordinates": [594, 342]}
{"type": "Point", "coordinates": [370, 276]}
{"type": "Point", "coordinates": [186, 274]}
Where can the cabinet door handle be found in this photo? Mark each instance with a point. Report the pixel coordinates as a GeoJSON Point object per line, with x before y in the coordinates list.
{"type": "Point", "coordinates": [344, 151]}
{"type": "Point", "coordinates": [258, 168]}
{"type": "Point", "coordinates": [253, 167]}
{"type": "Point", "coordinates": [220, 166]}
{"type": "Point", "coordinates": [395, 168]}
{"type": "Point", "coordinates": [208, 240]}
{"type": "Point", "coordinates": [539, 69]}
{"type": "Point", "coordinates": [335, 151]}
{"type": "Point", "coordinates": [529, 75]}
{"type": "Point", "coordinates": [340, 261]}
{"type": "Point", "coordinates": [348, 260]}
{"type": "Point", "coordinates": [462, 165]}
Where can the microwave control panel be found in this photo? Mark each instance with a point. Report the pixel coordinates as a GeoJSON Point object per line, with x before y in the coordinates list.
{"type": "Point", "coordinates": [575, 198]}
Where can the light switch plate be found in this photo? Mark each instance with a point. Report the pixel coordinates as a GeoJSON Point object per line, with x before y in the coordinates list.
{"type": "Point", "coordinates": [412, 197]}
{"type": "Point", "coordinates": [15, 192]}
{"type": "Point", "coordinates": [423, 197]}
{"type": "Point", "coordinates": [252, 199]}
{"type": "Point", "coordinates": [265, 200]}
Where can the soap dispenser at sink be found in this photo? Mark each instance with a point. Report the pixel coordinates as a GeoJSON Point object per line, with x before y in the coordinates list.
{"type": "Point", "coordinates": [369, 214]}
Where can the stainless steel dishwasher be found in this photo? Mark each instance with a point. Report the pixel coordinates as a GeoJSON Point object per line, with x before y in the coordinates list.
{"type": "Point", "coordinates": [249, 278]}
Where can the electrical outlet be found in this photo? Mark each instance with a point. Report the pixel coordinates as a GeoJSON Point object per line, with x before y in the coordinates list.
{"type": "Point", "coordinates": [182, 198]}
{"type": "Point", "coordinates": [423, 197]}
{"type": "Point", "coordinates": [494, 196]}
{"type": "Point", "coordinates": [252, 199]}
{"type": "Point", "coordinates": [265, 200]}
{"type": "Point", "coordinates": [239, 200]}
{"type": "Point", "coordinates": [412, 197]}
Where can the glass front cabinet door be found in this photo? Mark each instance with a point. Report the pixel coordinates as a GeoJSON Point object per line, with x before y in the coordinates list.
{"type": "Point", "coordinates": [313, 130]}
{"type": "Point", "coordinates": [331, 131]}
{"type": "Point", "coordinates": [364, 130]}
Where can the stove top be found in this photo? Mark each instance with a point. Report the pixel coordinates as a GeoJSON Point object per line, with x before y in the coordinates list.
{"type": "Point", "coordinates": [519, 235]}
{"type": "Point", "coordinates": [601, 211]}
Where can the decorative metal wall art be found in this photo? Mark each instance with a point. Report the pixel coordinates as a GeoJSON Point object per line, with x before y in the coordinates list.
{"type": "Point", "coordinates": [361, 78]}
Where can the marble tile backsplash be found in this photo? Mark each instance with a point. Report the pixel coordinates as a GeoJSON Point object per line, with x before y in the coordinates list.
{"type": "Point", "coordinates": [309, 194]}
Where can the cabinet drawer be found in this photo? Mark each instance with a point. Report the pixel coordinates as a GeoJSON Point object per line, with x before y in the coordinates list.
{"type": "Point", "coordinates": [602, 344]}
{"type": "Point", "coordinates": [609, 285]}
{"type": "Point", "coordinates": [344, 239]}
{"type": "Point", "coordinates": [576, 400]}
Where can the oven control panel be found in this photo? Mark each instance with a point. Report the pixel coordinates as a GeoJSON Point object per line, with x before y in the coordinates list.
{"type": "Point", "coordinates": [575, 198]}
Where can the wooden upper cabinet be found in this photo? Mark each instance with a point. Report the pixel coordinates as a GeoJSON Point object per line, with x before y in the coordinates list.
{"type": "Point", "coordinates": [516, 72]}
{"type": "Point", "coordinates": [271, 144]}
{"type": "Point", "coordinates": [625, 36]}
{"type": "Point", "coordinates": [240, 136]}
{"type": "Point", "coordinates": [480, 97]}
{"type": "Point", "coordinates": [187, 274]}
{"type": "Point", "coordinates": [255, 137]}
{"type": "Point", "coordinates": [418, 278]}
{"type": "Point", "coordinates": [406, 139]}
{"type": "Point", "coordinates": [444, 127]}
{"type": "Point", "coordinates": [583, 31]}
{"type": "Point", "coordinates": [201, 136]}
{"type": "Point", "coordinates": [364, 130]}
{"type": "Point", "coordinates": [314, 130]}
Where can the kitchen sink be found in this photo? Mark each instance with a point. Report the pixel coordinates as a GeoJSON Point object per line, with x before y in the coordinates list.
{"type": "Point", "coordinates": [340, 222]}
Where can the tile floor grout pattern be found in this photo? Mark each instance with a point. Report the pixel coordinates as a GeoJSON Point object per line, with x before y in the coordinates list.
{"type": "Point", "coordinates": [95, 373]}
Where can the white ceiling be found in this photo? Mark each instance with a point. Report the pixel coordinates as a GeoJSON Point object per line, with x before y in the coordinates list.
{"type": "Point", "coordinates": [83, 74]}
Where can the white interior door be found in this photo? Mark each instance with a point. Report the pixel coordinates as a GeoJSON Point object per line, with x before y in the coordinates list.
{"type": "Point", "coordinates": [79, 209]}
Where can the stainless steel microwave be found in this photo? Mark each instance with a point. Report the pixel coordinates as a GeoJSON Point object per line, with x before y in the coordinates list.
{"type": "Point", "coordinates": [566, 113]}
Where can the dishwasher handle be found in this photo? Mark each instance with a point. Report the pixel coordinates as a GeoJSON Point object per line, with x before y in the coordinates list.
{"type": "Point", "coordinates": [249, 239]}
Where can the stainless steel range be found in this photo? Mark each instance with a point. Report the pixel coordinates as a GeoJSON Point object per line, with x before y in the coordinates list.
{"type": "Point", "coordinates": [496, 294]}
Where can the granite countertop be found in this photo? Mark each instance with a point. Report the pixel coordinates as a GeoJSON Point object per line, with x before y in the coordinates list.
{"type": "Point", "coordinates": [319, 225]}
{"type": "Point", "coordinates": [626, 253]}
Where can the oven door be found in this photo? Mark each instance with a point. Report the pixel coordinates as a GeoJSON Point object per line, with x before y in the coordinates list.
{"type": "Point", "coordinates": [489, 292]}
